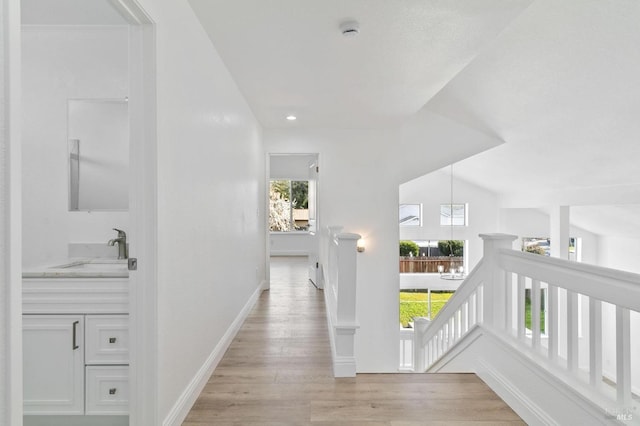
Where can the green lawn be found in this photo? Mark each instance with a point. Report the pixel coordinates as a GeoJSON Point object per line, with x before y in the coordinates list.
{"type": "Point", "coordinates": [414, 304]}
{"type": "Point", "coordinates": [527, 314]}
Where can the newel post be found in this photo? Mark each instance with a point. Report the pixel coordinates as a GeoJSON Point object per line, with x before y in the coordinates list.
{"type": "Point", "coordinates": [344, 363]}
{"type": "Point", "coordinates": [494, 290]}
{"type": "Point", "coordinates": [347, 262]}
{"type": "Point", "coordinates": [420, 326]}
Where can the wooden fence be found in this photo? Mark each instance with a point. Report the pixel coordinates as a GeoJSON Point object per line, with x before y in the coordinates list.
{"type": "Point", "coordinates": [429, 264]}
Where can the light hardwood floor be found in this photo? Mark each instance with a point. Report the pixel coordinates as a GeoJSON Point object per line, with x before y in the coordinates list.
{"type": "Point", "coordinates": [277, 371]}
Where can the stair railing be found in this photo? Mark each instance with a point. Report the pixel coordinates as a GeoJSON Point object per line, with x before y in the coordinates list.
{"type": "Point", "coordinates": [580, 306]}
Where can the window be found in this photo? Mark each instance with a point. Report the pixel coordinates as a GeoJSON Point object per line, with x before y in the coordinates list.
{"type": "Point", "coordinates": [288, 205]}
{"type": "Point", "coordinates": [410, 215]}
{"type": "Point", "coordinates": [426, 256]}
{"type": "Point", "coordinates": [453, 214]}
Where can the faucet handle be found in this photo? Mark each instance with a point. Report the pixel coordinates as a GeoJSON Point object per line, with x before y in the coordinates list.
{"type": "Point", "coordinates": [120, 232]}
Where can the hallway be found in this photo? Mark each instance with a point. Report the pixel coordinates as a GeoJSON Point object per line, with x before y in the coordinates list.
{"type": "Point", "coordinates": [277, 371]}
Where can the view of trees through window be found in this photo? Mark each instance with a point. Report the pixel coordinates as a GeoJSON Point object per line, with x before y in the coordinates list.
{"type": "Point", "coordinates": [288, 205]}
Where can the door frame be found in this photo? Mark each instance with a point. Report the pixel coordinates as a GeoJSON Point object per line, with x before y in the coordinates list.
{"type": "Point", "coordinates": [143, 214]}
{"type": "Point", "coordinates": [11, 216]}
{"type": "Point", "coordinates": [316, 237]}
{"type": "Point", "coordinates": [143, 374]}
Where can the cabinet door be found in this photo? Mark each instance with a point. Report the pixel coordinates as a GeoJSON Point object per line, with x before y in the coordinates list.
{"type": "Point", "coordinates": [53, 371]}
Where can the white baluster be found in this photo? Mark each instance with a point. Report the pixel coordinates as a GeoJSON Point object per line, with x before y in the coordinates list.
{"type": "Point", "coordinates": [552, 321]}
{"type": "Point", "coordinates": [464, 320]}
{"type": "Point", "coordinates": [508, 279]}
{"type": "Point", "coordinates": [623, 356]}
{"type": "Point", "coordinates": [521, 307]}
{"type": "Point", "coordinates": [473, 302]}
{"type": "Point", "coordinates": [595, 342]}
{"type": "Point", "coordinates": [572, 331]}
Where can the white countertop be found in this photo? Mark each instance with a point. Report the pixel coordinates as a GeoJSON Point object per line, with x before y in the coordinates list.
{"type": "Point", "coordinates": [80, 268]}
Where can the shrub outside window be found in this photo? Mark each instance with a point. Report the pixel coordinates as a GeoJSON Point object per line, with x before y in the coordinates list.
{"type": "Point", "coordinates": [288, 206]}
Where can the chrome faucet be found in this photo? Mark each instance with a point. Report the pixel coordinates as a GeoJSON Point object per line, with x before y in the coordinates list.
{"type": "Point", "coordinates": [122, 244]}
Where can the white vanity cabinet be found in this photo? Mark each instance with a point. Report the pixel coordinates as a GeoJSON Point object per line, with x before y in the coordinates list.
{"type": "Point", "coordinates": [76, 347]}
{"type": "Point", "coordinates": [76, 364]}
{"type": "Point", "coordinates": [53, 356]}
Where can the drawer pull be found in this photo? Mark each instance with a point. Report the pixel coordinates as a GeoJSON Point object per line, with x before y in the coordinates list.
{"type": "Point", "coordinates": [112, 391]}
{"type": "Point", "coordinates": [112, 339]}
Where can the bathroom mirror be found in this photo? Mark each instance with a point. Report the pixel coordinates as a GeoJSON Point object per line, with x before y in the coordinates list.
{"type": "Point", "coordinates": [98, 150]}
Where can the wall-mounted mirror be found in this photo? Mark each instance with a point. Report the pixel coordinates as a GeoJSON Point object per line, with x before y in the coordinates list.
{"type": "Point", "coordinates": [98, 149]}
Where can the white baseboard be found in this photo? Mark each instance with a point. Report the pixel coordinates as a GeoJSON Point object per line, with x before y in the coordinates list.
{"type": "Point", "coordinates": [181, 408]}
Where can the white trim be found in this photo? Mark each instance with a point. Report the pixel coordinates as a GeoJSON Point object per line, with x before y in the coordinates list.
{"type": "Point", "coordinates": [512, 395]}
{"type": "Point", "coordinates": [489, 356]}
{"type": "Point", "coordinates": [11, 216]}
{"type": "Point", "coordinates": [143, 392]}
{"type": "Point", "coordinates": [181, 408]}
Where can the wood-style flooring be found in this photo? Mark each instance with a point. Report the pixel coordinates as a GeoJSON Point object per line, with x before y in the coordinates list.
{"type": "Point", "coordinates": [278, 371]}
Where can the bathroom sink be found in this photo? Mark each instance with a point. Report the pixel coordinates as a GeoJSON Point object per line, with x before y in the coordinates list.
{"type": "Point", "coordinates": [95, 265]}
{"type": "Point", "coordinates": [82, 268]}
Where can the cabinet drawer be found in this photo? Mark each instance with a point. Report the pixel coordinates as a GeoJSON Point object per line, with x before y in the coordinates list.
{"type": "Point", "coordinates": [107, 339]}
{"type": "Point", "coordinates": [107, 390]}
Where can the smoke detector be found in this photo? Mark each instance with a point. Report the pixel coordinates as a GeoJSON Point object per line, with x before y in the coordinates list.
{"type": "Point", "coordinates": [350, 28]}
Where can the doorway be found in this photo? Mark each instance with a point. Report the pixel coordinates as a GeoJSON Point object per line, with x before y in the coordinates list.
{"type": "Point", "coordinates": [292, 203]}
{"type": "Point", "coordinates": [135, 65]}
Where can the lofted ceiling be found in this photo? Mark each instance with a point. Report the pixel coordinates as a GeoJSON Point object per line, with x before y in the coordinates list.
{"type": "Point", "coordinates": [290, 57]}
{"type": "Point", "coordinates": [560, 86]}
{"type": "Point", "coordinates": [556, 81]}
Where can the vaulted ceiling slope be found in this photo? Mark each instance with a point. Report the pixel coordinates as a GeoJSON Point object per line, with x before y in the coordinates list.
{"type": "Point", "coordinates": [560, 86]}
{"type": "Point", "coordinates": [290, 57]}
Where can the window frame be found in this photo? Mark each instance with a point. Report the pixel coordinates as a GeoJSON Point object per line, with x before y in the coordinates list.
{"type": "Point", "coordinates": [451, 218]}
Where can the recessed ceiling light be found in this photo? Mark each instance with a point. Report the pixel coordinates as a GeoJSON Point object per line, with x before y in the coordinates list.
{"type": "Point", "coordinates": [291, 117]}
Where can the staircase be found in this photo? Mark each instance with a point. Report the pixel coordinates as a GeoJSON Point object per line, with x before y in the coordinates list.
{"type": "Point", "coordinates": [579, 364]}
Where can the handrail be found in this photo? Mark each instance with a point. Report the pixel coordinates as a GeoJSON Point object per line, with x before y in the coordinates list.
{"type": "Point", "coordinates": [461, 312]}
{"type": "Point", "coordinates": [462, 294]}
{"type": "Point", "coordinates": [571, 296]}
{"type": "Point", "coordinates": [608, 285]}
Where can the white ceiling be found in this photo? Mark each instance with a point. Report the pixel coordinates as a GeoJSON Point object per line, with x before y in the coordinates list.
{"type": "Point", "coordinates": [289, 56]}
{"type": "Point", "coordinates": [560, 86]}
{"type": "Point", "coordinates": [69, 12]}
{"type": "Point", "coordinates": [557, 81]}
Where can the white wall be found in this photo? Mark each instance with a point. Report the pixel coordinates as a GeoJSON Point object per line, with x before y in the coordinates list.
{"type": "Point", "coordinates": [59, 63]}
{"type": "Point", "coordinates": [355, 194]}
{"type": "Point", "coordinates": [434, 189]}
{"type": "Point", "coordinates": [211, 198]}
{"type": "Point", "coordinates": [360, 172]}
